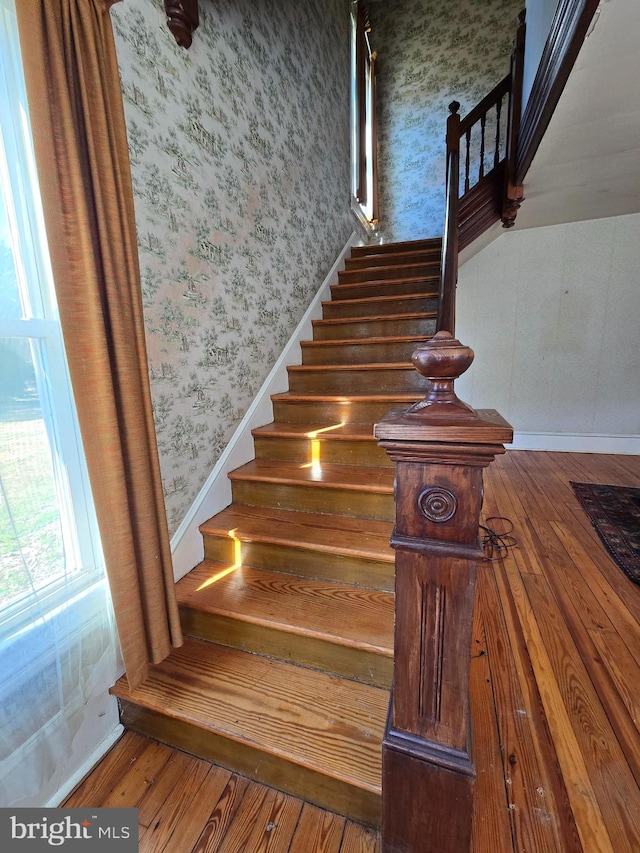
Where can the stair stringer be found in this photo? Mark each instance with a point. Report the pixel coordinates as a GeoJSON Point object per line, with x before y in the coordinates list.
{"type": "Point", "coordinates": [186, 544]}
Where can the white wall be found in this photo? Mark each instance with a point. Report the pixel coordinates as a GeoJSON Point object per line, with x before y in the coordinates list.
{"type": "Point", "coordinates": [553, 314]}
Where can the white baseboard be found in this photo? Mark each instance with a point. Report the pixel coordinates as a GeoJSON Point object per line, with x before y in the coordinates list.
{"type": "Point", "coordinates": [186, 544]}
{"type": "Point", "coordinates": [576, 442]}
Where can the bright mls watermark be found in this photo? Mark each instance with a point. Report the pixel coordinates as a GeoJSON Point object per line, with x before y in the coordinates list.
{"type": "Point", "coordinates": [35, 830]}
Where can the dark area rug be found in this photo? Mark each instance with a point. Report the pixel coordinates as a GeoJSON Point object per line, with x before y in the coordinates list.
{"type": "Point", "coordinates": [614, 511]}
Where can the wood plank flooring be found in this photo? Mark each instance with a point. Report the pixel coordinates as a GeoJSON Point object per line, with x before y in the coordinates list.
{"type": "Point", "coordinates": [555, 691]}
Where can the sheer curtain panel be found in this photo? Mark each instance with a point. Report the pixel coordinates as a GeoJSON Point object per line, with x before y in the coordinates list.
{"type": "Point", "coordinates": [58, 646]}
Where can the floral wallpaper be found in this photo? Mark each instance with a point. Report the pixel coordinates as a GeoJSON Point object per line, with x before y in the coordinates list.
{"type": "Point", "coordinates": [431, 52]}
{"type": "Point", "coordinates": [240, 161]}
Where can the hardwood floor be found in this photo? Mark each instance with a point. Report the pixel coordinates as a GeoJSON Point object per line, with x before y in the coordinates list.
{"type": "Point", "coordinates": [558, 747]}
{"type": "Point", "coordinates": [190, 806]}
{"type": "Point", "coordinates": [555, 692]}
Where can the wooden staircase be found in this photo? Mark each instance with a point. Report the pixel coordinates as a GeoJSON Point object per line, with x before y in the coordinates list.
{"type": "Point", "coordinates": [286, 668]}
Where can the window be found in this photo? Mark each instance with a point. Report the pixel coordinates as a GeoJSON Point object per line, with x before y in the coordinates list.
{"type": "Point", "coordinates": [48, 536]}
{"type": "Point", "coordinates": [58, 648]}
{"type": "Point", "coordinates": [363, 124]}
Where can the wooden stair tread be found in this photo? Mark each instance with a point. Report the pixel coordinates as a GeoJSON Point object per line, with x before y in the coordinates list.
{"type": "Point", "coordinates": [389, 300]}
{"type": "Point", "coordinates": [298, 605]}
{"type": "Point", "coordinates": [419, 254]}
{"type": "Point", "coordinates": [341, 535]}
{"type": "Point", "coordinates": [346, 477]}
{"type": "Point", "coordinates": [345, 286]}
{"type": "Point", "coordinates": [337, 342]}
{"type": "Point", "coordinates": [342, 432]}
{"type": "Point", "coordinates": [391, 399]}
{"type": "Point", "coordinates": [389, 267]}
{"type": "Point", "coordinates": [417, 315]}
{"type": "Point", "coordinates": [398, 245]}
{"type": "Point", "coordinates": [331, 368]}
{"type": "Point", "coordinates": [330, 724]}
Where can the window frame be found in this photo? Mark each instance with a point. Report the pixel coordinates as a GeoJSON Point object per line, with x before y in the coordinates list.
{"type": "Point", "coordinates": [364, 177]}
{"type": "Point", "coordinates": [40, 326]}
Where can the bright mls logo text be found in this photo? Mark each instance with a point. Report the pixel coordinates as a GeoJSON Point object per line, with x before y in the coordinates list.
{"type": "Point", "coordinates": [57, 832]}
{"type": "Point", "coordinates": [31, 829]}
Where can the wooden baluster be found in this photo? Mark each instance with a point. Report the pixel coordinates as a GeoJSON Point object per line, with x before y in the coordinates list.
{"type": "Point", "coordinates": [496, 150]}
{"type": "Point", "coordinates": [483, 125]}
{"type": "Point", "coordinates": [440, 447]}
{"type": "Point", "coordinates": [467, 161]}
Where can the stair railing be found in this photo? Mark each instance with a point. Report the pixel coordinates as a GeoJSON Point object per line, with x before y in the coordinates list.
{"type": "Point", "coordinates": [481, 154]}
{"type": "Point", "coordinates": [440, 447]}
{"type": "Point", "coordinates": [476, 146]}
{"type": "Point", "coordinates": [473, 127]}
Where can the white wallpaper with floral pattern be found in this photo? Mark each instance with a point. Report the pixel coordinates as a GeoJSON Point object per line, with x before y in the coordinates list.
{"type": "Point", "coordinates": [431, 52]}
{"type": "Point", "coordinates": [240, 160]}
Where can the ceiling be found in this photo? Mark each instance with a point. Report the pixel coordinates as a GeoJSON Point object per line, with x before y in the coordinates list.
{"type": "Point", "coordinates": [588, 164]}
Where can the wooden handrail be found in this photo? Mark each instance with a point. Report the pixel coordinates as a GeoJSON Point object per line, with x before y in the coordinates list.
{"type": "Point", "coordinates": [501, 153]}
{"type": "Point", "coordinates": [496, 94]}
{"type": "Point", "coordinates": [458, 128]}
{"type": "Point", "coordinates": [513, 194]}
{"type": "Point", "coordinates": [449, 267]}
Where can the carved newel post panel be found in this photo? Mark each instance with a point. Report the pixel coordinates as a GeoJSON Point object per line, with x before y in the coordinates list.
{"type": "Point", "coordinates": [440, 446]}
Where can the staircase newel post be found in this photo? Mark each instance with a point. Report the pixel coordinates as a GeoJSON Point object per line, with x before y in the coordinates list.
{"type": "Point", "coordinates": [440, 447]}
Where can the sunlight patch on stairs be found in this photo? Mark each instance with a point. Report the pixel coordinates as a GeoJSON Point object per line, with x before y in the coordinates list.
{"type": "Point", "coordinates": [237, 562]}
{"type": "Point", "coordinates": [315, 464]}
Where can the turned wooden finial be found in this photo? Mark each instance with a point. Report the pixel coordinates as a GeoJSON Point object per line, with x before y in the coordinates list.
{"type": "Point", "coordinates": [454, 106]}
{"type": "Point", "coordinates": [441, 360]}
{"type": "Point", "coordinates": [182, 19]}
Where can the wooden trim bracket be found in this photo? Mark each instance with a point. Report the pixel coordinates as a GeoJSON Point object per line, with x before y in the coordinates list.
{"type": "Point", "coordinates": [182, 19]}
{"type": "Point", "coordinates": [566, 36]}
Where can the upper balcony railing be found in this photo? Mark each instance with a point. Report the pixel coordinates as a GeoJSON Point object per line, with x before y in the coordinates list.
{"type": "Point", "coordinates": [481, 160]}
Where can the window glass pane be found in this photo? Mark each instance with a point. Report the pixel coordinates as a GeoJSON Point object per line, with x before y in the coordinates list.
{"type": "Point", "coordinates": [32, 552]}
{"type": "Point", "coordinates": [10, 308]}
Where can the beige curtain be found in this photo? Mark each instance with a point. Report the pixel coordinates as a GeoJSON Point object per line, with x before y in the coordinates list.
{"type": "Point", "coordinates": [79, 133]}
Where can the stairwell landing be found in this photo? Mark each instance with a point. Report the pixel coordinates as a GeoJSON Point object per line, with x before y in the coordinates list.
{"type": "Point", "coordinates": [285, 672]}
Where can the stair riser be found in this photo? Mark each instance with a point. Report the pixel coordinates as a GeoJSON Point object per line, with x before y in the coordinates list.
{"type": "Point", "coordinates": [354, 504]}
{"type": "Point", "coordinates": [370, 381]}
{"type": "Point", "coordinates": [392, 288]}
{"type": "Point", "coordinates": [388, 273]}
{"type": "Point", "coordinates": [305, 562]}
{"type": "Point", "coordinates": [376, 249]}
{"type": "Point", "coordinates": [343, 452]}
{"type": "Point", "coordinates": [324, 412]}
{"type": "Point", "coordinates": [352, 308]}
{"type": "Point", "coordinates": [273, 770]}
{"type": "Point", "coordinates": [358, 664]}
{"type": "Point", "coordinates": [364, 353]}
{"type": "Point", "coordinates": [396, 328]}
{"type": "Point", "coordinates": [393, 259]}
